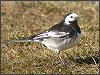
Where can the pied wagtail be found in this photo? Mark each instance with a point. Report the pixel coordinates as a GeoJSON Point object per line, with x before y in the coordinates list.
{"type": "Point", "coordinates": [61, 36]}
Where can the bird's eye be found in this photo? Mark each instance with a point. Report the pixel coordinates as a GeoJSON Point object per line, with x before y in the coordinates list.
{"type": "Point", "coordinates": [71, 16]}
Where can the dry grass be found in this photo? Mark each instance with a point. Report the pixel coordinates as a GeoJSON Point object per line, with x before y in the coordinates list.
{"type": "Point", "coordinates": [20, 19]}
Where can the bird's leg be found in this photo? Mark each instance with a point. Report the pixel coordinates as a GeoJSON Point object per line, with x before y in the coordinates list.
{"type": "Point", "coordinates": [61, 60]}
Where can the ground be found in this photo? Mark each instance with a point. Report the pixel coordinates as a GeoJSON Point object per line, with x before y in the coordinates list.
{"type": "Point", "coordinates": [25, 18]}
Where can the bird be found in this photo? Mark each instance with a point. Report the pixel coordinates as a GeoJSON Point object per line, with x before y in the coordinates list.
{"type": "Point", "coordinates": [62, 36]}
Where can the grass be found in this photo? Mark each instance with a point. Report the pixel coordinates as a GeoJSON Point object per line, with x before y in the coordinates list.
{"type": "Point", "coordinates": [25, 18]}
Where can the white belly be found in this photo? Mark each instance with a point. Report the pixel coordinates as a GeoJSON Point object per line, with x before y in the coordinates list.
{"type": "Point", "coordinates": [61, 45]}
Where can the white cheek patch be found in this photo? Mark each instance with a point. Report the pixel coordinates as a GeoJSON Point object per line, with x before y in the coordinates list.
{"type": "Point", "coordinates": [68, 18]}
{"type": "Point", "coordinates": [67, 21]}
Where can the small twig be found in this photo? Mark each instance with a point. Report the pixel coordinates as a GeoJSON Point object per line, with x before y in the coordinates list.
{"type": "Point", "coordinates": [94, 61]}
{"type": "Point", "coordinates": [92, 57]}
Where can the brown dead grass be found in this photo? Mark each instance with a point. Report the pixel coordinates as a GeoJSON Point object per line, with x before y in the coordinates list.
{"type": "Point", "coordinates": [24, 18]}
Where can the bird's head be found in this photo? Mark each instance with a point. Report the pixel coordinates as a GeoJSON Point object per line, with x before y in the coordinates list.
{"type": "Point", "coordinates": [70, 17]}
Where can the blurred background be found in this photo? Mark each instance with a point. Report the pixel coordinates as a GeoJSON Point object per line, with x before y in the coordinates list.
{"type": "Point", "coordinates": [25, 18]}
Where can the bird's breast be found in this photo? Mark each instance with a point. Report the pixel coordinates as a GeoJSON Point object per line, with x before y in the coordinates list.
{"type": "Point", "coordinates": [73, 42]}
